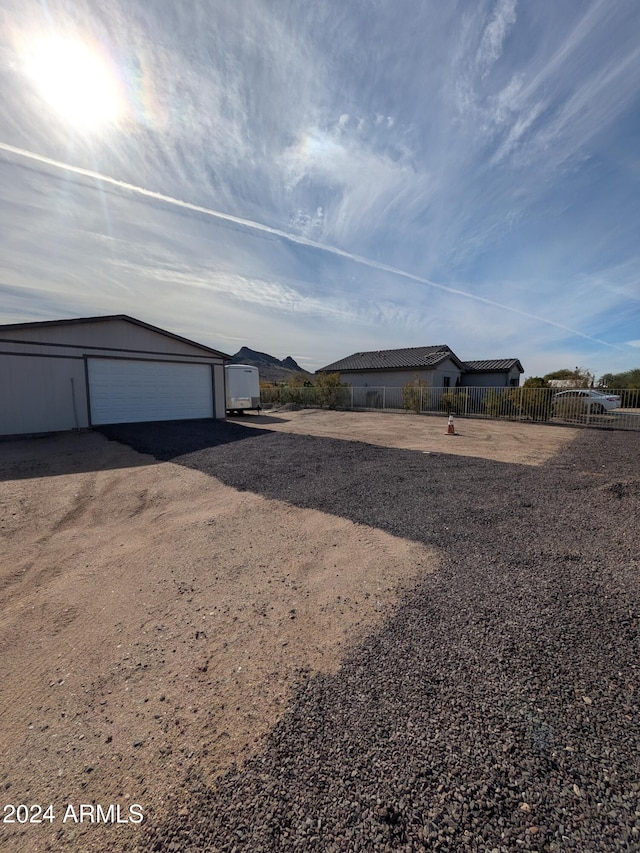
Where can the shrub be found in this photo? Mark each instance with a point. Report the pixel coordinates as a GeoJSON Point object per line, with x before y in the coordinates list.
{"type": "Point", "coordinates": [454, 402]}
{"type": "Point", "coordinates": [569, 408]}
{"type": "Point", "coordinates": [500, 404]}
{"type": "Point", "coordinates": [330, 391]}
{"type": "Point", "coordinates": [412, 395]}
{"type": "Point", "coordinates": [535, 403]}
{"type": "Point", "coordinates": [526, 403]}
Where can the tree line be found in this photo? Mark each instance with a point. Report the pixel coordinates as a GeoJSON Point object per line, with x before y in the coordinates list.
{"type": "Point", "coordinates": [581, 377]}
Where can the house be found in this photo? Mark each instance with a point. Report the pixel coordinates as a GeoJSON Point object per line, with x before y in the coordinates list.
{"type": "Point", "coordinates": [492, 373]}
{"type": "Point", "coordinates": [437, 366]}
{"type": "Point", "coordinates": [565, 384]}
{"type": "Point", "coordinates": [71, 374]}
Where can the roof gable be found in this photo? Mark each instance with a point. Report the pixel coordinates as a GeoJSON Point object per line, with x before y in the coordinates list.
{"type": "Point", "coordinates": [111, 318]}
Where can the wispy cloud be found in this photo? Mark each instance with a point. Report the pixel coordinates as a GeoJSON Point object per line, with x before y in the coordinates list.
{"type": "Point", "coordinates": [270, 290]}
{"type": "Point", "coordinates": [480, 180]}
{"type": "Point", "coordinates": [502, 20]}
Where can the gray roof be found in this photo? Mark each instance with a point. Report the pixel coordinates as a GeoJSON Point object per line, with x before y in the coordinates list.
{"type": "Point", "coordinates": [490, 364]}
{"type": "Point", "coordinates": [109, 317]}
{"type": "Point", "coordinates": [393, 359]}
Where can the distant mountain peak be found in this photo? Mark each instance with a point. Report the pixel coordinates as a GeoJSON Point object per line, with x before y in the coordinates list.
{"type": "Point", "coordinates": [290, 363]}
{"type": "Point", "coordinates": [271, 369]}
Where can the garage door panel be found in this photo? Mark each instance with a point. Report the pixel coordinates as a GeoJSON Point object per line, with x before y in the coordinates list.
{"type": "Point", "coordinates": [126, 390]}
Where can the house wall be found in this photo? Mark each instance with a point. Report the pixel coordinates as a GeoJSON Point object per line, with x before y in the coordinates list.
{"type": "Point", "coordinates": [37, 366]}
{"type": "Point", "coordinates": [514, 376]}
{"type": "Point", "coordinates": [485, 380]}
{"type": "Point", "coordinates": [447, 368]}
{"type": "Point", "coordinates": [491, 379]}
{"type": "Point", "coordinates": [384, 378]}
{"type": "Point", "coordinates": [433, 378]}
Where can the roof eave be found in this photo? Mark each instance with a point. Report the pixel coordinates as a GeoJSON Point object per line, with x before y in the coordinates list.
{"type": "Point", "coordinates": [39, 324]}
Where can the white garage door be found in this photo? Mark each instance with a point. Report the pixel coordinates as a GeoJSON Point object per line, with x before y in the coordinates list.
{"type": "Point", "coordinates": [123, 391]}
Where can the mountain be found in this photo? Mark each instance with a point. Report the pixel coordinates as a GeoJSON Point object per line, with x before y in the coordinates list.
{"type": "Point", "coordinates": [271, 369]}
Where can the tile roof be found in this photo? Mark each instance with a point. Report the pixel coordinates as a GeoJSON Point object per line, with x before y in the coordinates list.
{"type": "Point", "coordinates": [393, 359]}
{"type": "Point", "coordinates": [488, 364]}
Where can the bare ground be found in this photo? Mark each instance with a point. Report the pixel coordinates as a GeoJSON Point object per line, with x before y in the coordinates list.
{"type": "Point", "coordinates": [152, 618]}
{"type": "Point", "coordinates": [502, 441]}
{"type": "Point", "coordinates": [159, 618]}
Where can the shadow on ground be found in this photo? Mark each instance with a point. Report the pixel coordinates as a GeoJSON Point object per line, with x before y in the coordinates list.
{"type": "Point", "coordinates": [256, 419]}
{"type": "Point", "coordinates": [171, 439]}
{"type": "Point", "coordinates": [85, 451]}
{"type": "Point", "coordinates": [403, 492]}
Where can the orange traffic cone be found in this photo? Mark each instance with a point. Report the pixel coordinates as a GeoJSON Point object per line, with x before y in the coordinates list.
{"type": "Point", "coordinates": [451, 430]}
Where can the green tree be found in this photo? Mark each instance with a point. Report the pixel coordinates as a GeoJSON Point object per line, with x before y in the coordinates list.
{"type": "Point", "coordinates": [579, 376]}
{"type": "Point", "coordinates": [619, 381]}
{"type": "Point", "coordinates": [536, 382]}
{"type": "Point", "coordinates": [299, 380]}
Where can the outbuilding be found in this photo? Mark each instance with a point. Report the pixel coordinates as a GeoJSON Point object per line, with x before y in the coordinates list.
{"type": "Point", "coordinates": [72, 374]}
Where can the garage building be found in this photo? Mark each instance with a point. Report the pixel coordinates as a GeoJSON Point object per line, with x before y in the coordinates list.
{"type": "Point", "coordinates": [73, 374]}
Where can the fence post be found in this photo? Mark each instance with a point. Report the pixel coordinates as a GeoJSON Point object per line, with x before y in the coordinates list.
{"type": "Point", "coordinates": [520, 405]}
{"type": "Point", "coordinates": [351, 389]}
{"type": "Point", "coordinates": [384, 397]}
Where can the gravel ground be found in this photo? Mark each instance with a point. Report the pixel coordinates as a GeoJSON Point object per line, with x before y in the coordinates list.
{"type": "Point", "coordinates": [498, 708]}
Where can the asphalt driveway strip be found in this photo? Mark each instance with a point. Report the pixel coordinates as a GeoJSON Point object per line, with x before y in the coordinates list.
{"type": "Point", "coordinates": [498, 708]}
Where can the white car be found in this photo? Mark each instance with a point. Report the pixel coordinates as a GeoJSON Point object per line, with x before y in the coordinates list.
{"type": "Point", "coordinates": [585, 401]}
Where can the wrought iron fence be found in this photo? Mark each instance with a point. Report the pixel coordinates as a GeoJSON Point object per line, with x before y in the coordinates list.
{"type": "Point", "coordinates": [581, 406]}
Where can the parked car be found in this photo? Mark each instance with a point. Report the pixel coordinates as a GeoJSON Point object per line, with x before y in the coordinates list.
{"type": "Point", "coordinates": [583, 401]}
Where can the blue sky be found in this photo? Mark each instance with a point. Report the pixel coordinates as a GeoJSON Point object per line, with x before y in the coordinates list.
{"type": "Point", "coordinates": [313, 179]}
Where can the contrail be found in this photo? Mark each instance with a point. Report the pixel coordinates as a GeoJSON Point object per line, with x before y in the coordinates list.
{"type": "Point", "coordinates": [285, 235]}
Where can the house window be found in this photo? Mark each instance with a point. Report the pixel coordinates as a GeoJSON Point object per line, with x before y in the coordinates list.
{"type": "Point", "coordinates": [446, 381]}
{"type": "Point", "coordinates": [515, 383]}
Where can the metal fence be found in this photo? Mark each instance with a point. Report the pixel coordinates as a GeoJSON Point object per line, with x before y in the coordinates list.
{"type": "Point", "coordinates": [584, 407]}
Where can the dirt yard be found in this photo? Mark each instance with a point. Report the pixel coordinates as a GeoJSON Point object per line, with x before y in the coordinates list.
{"type": "Point", "coordinates": [153, 619]}
{"type": "Point", "coordinates": [502, 441]}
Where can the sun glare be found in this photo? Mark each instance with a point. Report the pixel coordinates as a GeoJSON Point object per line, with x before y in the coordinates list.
{"type": "Point", "coordinates": [79, 83]}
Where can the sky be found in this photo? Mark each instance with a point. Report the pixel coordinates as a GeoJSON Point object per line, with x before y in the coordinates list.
{"type": "Point", "coordinates": [316, 179]}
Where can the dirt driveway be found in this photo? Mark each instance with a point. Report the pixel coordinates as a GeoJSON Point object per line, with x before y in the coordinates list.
{"type": "Point", "coordinates": [154, 620]}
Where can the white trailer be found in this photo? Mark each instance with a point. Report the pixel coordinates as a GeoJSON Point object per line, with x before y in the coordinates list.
{"type": "Point", "coordinates": [243, 387]}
